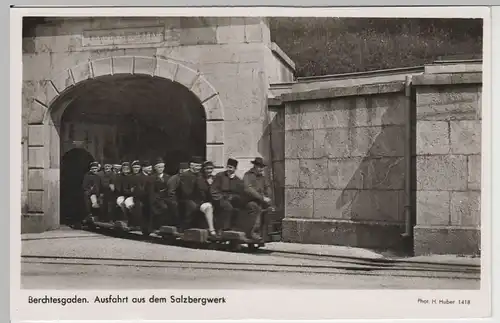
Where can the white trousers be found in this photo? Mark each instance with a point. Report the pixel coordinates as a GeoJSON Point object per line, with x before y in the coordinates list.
{"type": "Point", "coordinates": [206, 207]}
{"type": "Point", "coordinates": [208, 210]}
{"type": "Point", "coordinates": [93, 200]}
{"type": "Point", "coordinates": [128, 202]}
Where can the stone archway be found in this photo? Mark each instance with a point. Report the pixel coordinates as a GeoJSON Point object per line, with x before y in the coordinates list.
{"type": "Point", "coordinates": [43, 136]}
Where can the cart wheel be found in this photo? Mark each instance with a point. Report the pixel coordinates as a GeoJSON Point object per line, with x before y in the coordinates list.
{"type": "Point", "coordinates": [253, 246]}
{"type": "Point", "coordinates": [233, 246]}
{"type": "Point", "coordinates": [169, 240]}
{"type": "Point", "coordinates": [146, 232]}
{"type": "Point", "coordinates": [212, 246]}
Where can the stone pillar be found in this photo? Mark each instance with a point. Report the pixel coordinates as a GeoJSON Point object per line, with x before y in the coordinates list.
{"type": "Point", "coordinates": [448, 161]}
{"type": "Point", "coordinates": [231, 53]}
{"type": "Point", "coordinates": [33, 220]}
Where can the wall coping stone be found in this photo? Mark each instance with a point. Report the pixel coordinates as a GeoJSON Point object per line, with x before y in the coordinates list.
{"type": "Point", "coordinates": [274, 102]}
{"type": "Point", "coordinates": [278, 52]}
{"type": "Point", "coordinates": [447, 79]}
{"type": "Point", "coordinates": [365, 74]}
{"type": "Point", "coordinates": [366, 89]}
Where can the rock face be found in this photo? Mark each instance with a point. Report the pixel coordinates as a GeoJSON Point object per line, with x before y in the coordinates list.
{"type": "Point", "coordinates": [226, 63]}
{"type": "Point", "coordinates": [344, 153]}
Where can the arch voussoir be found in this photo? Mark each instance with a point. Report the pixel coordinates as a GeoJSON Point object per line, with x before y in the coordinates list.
{"type": "Point", "coordinates": [203, 89]}
{"type": "Point", "coordinates": [101, 67]}
{"type": "Point", "coordinates": [123, 64]}
{"type": "Point", "coordinates": [51, 92]}
{"type": "Point", "coordinates": [63, 80]}
{"type": "Point", "coordinates": [213, 108]}
{"type": "Point", "coordinates": [144, 65]}
{"type": "Point", "coordinates": [166, 69]}
{"type": "Point", "coordinates": [186, 76]}
{"type": "Point", "coordinates": [81, 72]}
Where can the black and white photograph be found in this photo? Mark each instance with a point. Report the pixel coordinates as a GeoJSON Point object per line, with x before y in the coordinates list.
{"type": "Point", "coordinates": [204, 152]}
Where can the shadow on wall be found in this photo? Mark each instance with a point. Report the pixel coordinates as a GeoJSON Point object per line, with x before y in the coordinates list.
{"type": "Point", "coordinates": [271, 146]}
{"type": "Point", "coordinates": [371, 171]}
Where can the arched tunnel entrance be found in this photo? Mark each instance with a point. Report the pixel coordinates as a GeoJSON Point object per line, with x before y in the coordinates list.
{"type": "Point", "coordinates": [120, 118]}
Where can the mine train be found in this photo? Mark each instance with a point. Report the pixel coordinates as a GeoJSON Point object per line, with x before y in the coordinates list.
{"type": "Point", "coordinates": [196, 236]}
{"type": "Point", "coordinates": [127, 215]}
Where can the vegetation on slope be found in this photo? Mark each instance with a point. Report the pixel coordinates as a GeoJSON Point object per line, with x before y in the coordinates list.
{"type": "Point", "coordinates": [322, 46]}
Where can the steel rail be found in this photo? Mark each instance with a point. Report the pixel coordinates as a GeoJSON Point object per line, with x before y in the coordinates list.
{"type": "Point", "coordinates": [360, 267]}
{"type": "Point", "coordinates": [387, 262]}
{"type": "Point", "coordinates": [261, 268]}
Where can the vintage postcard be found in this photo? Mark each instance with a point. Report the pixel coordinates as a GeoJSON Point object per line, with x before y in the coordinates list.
{"type": "Point", "coordinates": [250, 163]}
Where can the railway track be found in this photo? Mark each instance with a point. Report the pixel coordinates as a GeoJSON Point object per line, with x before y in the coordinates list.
{"type": "Point", "coordinates": [287, 262]}
{"type": "Point", "coordinates": [254, 266]}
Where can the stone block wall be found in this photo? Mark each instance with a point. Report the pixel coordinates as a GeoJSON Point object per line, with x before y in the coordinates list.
{"type": "Point", "coordinates": [448, 163]}
{"type": "Point", "coordinates": [344, 166]}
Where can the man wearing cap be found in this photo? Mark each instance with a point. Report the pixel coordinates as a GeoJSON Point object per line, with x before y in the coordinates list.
{"type": "Point", "coordinates": [255, 180]}
{"type": "Point", "coordinates": [91, 190]}
{"type": "Point", "coordinates": [184, 191]}
{"type": "Point", "coordinates": [107, 192]}
{"type": "Point", "coordinates": [230, 193]}
{"type": "Point", "coordinates": [117, 169]}
{"type": "Point", "coordinates": [172, 185]}
{"type": "Point", "coordinates": [204, 195]}
{"type": "Point", "coordinates": [147, 168]}
{"type": "Point", "coordinates": [158, 197]}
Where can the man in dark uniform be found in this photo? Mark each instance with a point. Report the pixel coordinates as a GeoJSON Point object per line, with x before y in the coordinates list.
{"type": "Point", "coordinates": [142, 194]}
{"type": "Point", "coordinates": [173, 202]}
{"type": "Point", "coordinates": [231, 194]}
{"type": "Point", "coordinates": [204, 195]}
{"type": "Point", "coordinates": [184, 192]}
{"type": "Point", "coordinates": [158, 197]}
{"type": "Point", "coordinates": [91, 191]}
{"type": "Point", "coordinates": [107, 192]}
{"type": "Point", "coordinates": [255, 180]}
{"type": "Point", "coordinates": [133, 203]}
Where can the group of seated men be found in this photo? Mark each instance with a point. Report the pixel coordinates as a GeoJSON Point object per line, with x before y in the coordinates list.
{"type": "Point", "coordinates": [146, 198]}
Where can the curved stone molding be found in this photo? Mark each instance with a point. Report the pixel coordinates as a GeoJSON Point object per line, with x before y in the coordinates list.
{"type": "Point", "coordinates": [153, 66]}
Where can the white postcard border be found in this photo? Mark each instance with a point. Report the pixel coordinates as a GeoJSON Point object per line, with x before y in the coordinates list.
{"type": "Point", "coordinates": [265, 304]}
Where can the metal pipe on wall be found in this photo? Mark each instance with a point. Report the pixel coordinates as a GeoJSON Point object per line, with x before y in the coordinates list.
{"type": "Point", "coordinates": [408, 159]}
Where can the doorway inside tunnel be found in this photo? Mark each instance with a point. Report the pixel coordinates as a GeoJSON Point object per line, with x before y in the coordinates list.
{"type": "Point", "coordinates": [74, 165]}
{"type": "Point", "coordinates": [119, 118]}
